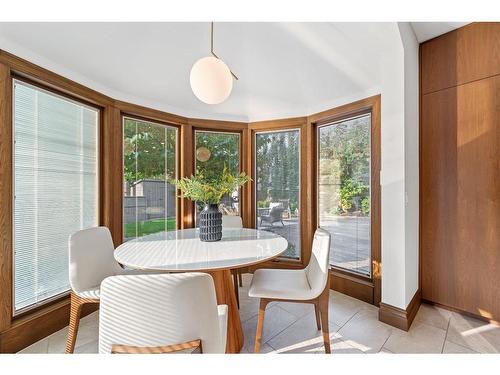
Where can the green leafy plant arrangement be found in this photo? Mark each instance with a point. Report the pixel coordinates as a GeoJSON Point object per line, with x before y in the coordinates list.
{"type": "Point", "coordinates": [199, 189]}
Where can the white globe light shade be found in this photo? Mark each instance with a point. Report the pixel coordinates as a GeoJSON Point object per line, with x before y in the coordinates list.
{"type": "Point", "coordinates": [211, 80]}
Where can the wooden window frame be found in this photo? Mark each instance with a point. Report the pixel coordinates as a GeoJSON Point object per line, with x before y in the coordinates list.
{"type": "Point", "coordinates": [241, 207]}
{"type": "Point", "coordinates": [254, 190]}
{"type": "Point", "coordinates": [298, 123]}
{"type": "Point", "coordinates": [358, 286]}
{"type": "Point", "coordinates": [161, 123]}
{"type": "Point", "coordinates": [28, 328]}
{"type": "Point", "coordinates": [26, 311]}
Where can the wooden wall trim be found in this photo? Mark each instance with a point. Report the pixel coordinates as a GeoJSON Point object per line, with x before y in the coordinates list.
{"type": "Point", "coordinates": [344, 111]}
{"type": "Point", "coordinates": [217, 125]}
{"type": "Point", "coordinates": [47, 78]}
{"type": "Point", "coordinates": [150, 114]}
{"type": "Point", "coordinates": [352, 286]}
{"type": "Point", "coordinates": [6, 209]}
{"type": "Point", "coordinates": [187, 170]}
{"type": "Point", "coordinates": [285, 123]}
{"type": "Point", "coordinates": [246, 166]}
{"type": "Point", "coordinates": [400, 318]}
{"type": "Point", "coordinates": [44, 322]}
{"type": "Point", "coordinates": [111, 185]}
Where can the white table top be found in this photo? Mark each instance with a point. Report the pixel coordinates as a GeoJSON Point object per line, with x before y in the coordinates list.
{"type": "Point", "coordinates": [182, 250]}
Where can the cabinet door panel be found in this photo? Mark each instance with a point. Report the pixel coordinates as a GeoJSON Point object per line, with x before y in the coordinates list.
{"type": "Point", "coordinates": [460, 218]}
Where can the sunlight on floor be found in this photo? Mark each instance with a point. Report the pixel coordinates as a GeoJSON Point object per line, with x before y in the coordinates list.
{"type": "Point", "coordinates": [354, 328]}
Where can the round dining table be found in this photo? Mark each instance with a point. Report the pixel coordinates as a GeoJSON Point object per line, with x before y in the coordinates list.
{"type": "Point", "coordinates": [182, 251]}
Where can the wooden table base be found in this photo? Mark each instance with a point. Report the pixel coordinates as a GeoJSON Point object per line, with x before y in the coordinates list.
{"type": "Point", "coordinates": [225, 296]}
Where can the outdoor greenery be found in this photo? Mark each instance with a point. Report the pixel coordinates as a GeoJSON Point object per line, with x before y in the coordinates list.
{"type": "Point", "coordinates": [224, 153]}
{"type": "Point", "coordinates": [149, 151]}
{"type": "Point", "coordinates": [210, 190]}
{"type": "Point", "coordinates": [345, 162]}
{"type": "Point", "coordinates": [148, 227]}
{"type": "Point", "coordinates": [277, 156]}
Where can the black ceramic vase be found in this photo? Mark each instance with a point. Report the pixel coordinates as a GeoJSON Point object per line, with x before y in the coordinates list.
{"type": "Point", "coordinates": [210, 223]}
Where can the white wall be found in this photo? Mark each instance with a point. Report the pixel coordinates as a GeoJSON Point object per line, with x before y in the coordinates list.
{"type": "Point", "coordinates": [399, 175]}
{"type": "Point", "coordinates": [392, 175]}
{"type": "Point", "coordinates": [411, 92]}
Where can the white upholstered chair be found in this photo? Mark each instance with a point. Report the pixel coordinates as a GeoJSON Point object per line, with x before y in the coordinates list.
{"type": "Point", "coordinates": [91, 260]}
{"type": "Point", "coordinates": [161, 314]}
{"type": "Point", "coordinates": [308, 285]}
{"type": "Point", "coordinates": [232, 221]}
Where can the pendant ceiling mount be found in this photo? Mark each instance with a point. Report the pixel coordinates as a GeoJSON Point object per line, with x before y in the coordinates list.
{"type": "Point", "coordinates": [210, 78]}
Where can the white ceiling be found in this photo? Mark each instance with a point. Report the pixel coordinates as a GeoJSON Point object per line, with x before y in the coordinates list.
{"type": "Point", "coordinates": [428, 30]}
{"type": "Point", "coordinates": [284, 69]}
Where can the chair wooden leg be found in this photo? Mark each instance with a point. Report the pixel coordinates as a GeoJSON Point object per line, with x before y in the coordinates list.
{"type": "Point", "coordinates": [75, 313]}
{"type": "Point", "coordinates": [240, 278]}
{"type": "Point", "coordinates": [235, 283]}
{"type": "Point", "coordinates": [74, 322]}
{"type": "Point", "coordinates": [323, 310]}
{"type": "Point", "coordinates": [316, 311]}
{"type": "Point", "coordinates": [260, 324]}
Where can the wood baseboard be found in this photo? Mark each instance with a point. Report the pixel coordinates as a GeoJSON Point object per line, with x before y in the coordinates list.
{"type": "Point", "coordinates": [43, 323]}
{"type": "Point", "coordinates": [397, 317]}
{"type": "Point", "coordinates": [352, 286]}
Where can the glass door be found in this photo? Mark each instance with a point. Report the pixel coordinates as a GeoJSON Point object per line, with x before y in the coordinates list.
{"type": "Point", "coordinates": [277, 186]}
{"type": "Point", "coordinates": [344, 160]}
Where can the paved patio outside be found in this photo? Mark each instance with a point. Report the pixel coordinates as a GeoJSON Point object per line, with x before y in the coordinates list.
{"type": "Point", "coordinates": [350, 247]}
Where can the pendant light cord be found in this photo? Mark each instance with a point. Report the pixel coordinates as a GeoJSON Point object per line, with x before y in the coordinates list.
{"type": "Point", "coordinates": [212, 48]}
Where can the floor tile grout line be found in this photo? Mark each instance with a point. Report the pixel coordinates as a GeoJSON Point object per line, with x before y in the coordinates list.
{"type": "Point", "coordinates": [446, 335]}
{"type": "Point", "coordinates": [348, 320]}
{"type": "Point", "coordinates": [467, 347]}
{"type": "Point", "coordinates": [385, 342]}
{"type": "Point", "coordinates": [297, 303]}
{"type": "Point", "coordinates": [273, 336]}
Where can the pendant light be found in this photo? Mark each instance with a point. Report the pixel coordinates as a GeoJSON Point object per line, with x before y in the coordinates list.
{"type": "Point", "coordinates": [211, 80]}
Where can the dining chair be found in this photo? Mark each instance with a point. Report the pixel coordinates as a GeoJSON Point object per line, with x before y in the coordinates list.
{"type": "Point", "coordinates": [158, 314]}
{"type": "Point", "coordinates": [233, 221]}
{"type": "Point", "coordinates": [91, 260]}
{"type": "Point", "coordinates": [308, 285]}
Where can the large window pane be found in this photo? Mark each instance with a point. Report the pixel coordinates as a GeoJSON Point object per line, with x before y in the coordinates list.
{"type": "Point", "coordinates": [56, 188]}
{"type": "Point", "coordinates": [213, 152]}
{"type": "Point", "coordinates": [277, 164]}
{"type": "Point", "coordinates": [344, 192]}
{"type": "Point", "coordinates": [149, 158]}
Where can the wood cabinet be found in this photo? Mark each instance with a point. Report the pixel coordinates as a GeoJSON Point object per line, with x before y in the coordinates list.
{"type": "Point", "coordinates": [464, 55]}
{"type": "Point", "coordinates": [460, 170]}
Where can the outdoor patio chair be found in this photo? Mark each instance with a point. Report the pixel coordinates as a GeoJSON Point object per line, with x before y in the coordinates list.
{"type": "Point", "coordinates": [285, 203]}
{"type": "Point", "coordinates": [275, 215]}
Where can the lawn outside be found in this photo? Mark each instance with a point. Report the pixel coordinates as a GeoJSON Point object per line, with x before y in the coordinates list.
{"type": "Point", "coordinates": [142, 228]}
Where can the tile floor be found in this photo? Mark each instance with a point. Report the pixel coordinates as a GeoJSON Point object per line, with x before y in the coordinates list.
{"type": "Point", "coordinates": [354, 328]}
